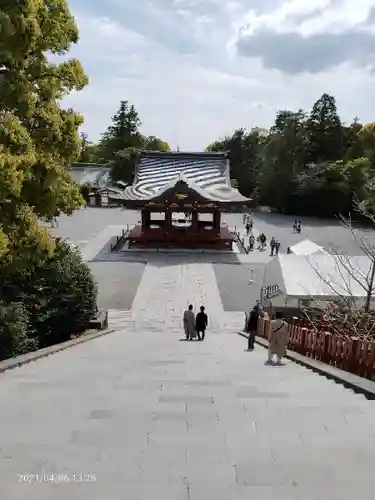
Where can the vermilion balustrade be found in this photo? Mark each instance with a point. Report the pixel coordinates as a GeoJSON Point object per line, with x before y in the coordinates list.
{"type": "Point", "coordinates": [346, 352]}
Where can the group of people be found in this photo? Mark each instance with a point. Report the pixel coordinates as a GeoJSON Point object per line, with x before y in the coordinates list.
{"type": "Point", "coordinates": [278, 335]}
{"type": "Point", "coordinates": [274, 246]}
{"type": "Point", "coordinates": [195, 329]}
{"type": "Point", "coordinates": [195, 325]}
{"type": "Point", "coordinates": [261, 239]}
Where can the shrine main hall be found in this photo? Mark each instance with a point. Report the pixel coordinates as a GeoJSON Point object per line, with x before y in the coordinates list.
{"type": "Point", "coordinates": [181, 197]}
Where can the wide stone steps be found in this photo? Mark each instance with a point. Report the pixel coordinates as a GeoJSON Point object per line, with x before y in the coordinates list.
{"type": "Point", "coordinates": [233, 322]}
{"type": "Point", "coordinates": [166, 291]}
{"type": "Point", "coordinates": [119, 319]}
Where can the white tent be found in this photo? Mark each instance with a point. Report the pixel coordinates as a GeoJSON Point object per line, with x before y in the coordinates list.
{"type": "Point", "coordinates": [307, 247]}
{"type": "Point", "coordinates": [319, 275]}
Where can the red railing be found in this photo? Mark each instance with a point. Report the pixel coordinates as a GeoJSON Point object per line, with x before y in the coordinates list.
{"type": "Point", "coordinates": [350, 354]}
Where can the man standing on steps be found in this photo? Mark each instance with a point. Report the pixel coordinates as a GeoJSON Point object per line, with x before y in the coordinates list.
{"type": "Point", "coordinates": [201, 322]}
{"type": "Point", "coordinates": [189, 323]}
{"type": "Point", "coordinates": [252, 327]}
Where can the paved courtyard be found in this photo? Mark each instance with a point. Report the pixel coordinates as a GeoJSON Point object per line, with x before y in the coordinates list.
{"type": "Point", "coordinates": [119, 274]}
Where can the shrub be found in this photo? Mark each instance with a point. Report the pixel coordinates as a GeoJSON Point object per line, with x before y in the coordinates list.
{"type": "Point", "coordinates": [14, 328]}
{"type": "Point", "coordinates": [45, 305]}
{"type": "Point", "coordinates": [66, 298]}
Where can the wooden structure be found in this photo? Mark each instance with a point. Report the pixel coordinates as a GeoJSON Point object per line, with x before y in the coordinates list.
{"type": "Point", "coordinates": [345, 351]}
{"type": "Point", "coordinates": [181, 212]}
{"type": "Point", "coordinates": [109, 196]}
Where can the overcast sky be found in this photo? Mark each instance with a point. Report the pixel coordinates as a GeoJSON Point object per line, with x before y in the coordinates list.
{"type": "Point", "coordinates": [198, 69]}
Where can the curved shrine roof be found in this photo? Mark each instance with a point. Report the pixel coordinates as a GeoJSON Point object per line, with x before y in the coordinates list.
{"type": "Point", "coordinates": [205, 173]}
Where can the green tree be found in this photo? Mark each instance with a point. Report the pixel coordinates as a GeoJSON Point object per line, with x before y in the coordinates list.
{"type": "Point", "coordinates": [326, 183]}
{"type": "Point", "coordinates": [54, 299]}
{"type": "Point", "coordinates": [89, 152]}
{"type": "Point", "coordinates": [243, 152]}
{"type": "Point", "coordinates": [325, 132]}
{"type": "Point", "coordinates": [366, 136]}
{"type": "Point", "coordinates": [123, 133]}
{"type": "Point", "coordinates": [14, 326]}
{"type": "Point", "coordinates": [38, 138]}
{"type": "Point", "coordinates": [353, 146]}
{"type": "Point", "coordinates": [122, 167]}
{"type": "Point", "coordinates": [153, 143]}
{"type": "Point", "coordinates": [67, 297]}
{"type": "Point", "coordinates": [284, 157]}
{"type": "Point", "coordinates": [306, 158]}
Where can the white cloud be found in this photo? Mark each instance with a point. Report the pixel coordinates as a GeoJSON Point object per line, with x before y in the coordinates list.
{"type": "Point", "coordinates": [317, 16]}
{"type": "Point", "coordinates": [175, 68]}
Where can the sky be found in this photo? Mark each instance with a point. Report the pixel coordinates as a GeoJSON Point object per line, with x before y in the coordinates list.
{"type": "Point", "coordinates": [196, 70]}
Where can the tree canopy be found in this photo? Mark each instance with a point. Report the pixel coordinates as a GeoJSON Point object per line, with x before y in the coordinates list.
{"type": "Point", "coordinates": [121, 144]}
{"type": "Point", "coordinates": [38, 138]}
{"type": "Point", "coordinates": [308, 163]}
{"type": "Point", "coordinates": [46, 292]}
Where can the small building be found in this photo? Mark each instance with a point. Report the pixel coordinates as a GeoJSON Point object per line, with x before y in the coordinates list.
{"type": "Point", "coordinates": [294, 280]}
{"type": "Point", "coordinates": [109, 196]}
{"type": "Point", "coordinates": [181, 197]}
{"type": "Point", "coordinates": [91, 174]}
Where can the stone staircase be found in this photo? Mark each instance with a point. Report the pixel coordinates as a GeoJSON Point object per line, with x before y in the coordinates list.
{"type": "Point", "coordinates": [234, 321]}
{"type": "Point", "coordinates": [119, 319]}
{"type": "Point", "coordinates": [166, 291]}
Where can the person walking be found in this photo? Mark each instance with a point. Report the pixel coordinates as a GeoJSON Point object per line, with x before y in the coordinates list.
{"type": "Point", "coordinates": [272, 245]}
{"type": "Point", "coordinates": [189, 323]}
{"type": "Point", "coordinates": [278, 336]}
{"type": "Point", "coordinates": [277, 247]}
{"type": "Point", "coordinates": [263, 241]}
{"type": "Point", "coordinates": [201, 322]}
{"type": "Point", "coordinates": [247, 226]}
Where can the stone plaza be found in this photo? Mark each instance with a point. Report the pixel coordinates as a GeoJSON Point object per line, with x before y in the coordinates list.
{"type": "Point", "coordinates": [139, 413]}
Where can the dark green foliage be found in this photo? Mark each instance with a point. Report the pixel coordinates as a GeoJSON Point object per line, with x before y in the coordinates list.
{"type": "Point", "coordinates": [47, 305]}
{"type": "Point", "coordinates": [122, 167]}
{"type": "Point", "coordinates": [121, 143]}
{"type": "Point", "coordinates": [122, 134]}
{"type": "Point", "coordinates": [324, 131]}
{"type": "Point", "coordinates": [14, 329]}
{"type": "Point", "coordinates": [308, 164]}
{"type": "Point", "coordinates": [85, 191]}
{"type": "Point", "coordinates": [67, 297]}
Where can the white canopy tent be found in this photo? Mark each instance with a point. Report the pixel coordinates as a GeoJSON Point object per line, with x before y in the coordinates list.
{"type": "Point", "coordinates": [307, 247]}
{"type": "Point", "coordinates": [319, 276]}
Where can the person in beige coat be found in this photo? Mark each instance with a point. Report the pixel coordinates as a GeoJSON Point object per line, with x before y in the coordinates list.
{"type": "Point", "coordinates": [278, 336]}
{"type": "Point", "coordinates": [189, 323]}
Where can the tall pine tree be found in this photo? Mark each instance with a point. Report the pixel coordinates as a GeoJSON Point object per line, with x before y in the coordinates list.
{"type": "Point", "coordinates": [325, 132]}
{"type": "Point", "coordinates": [123, 133]}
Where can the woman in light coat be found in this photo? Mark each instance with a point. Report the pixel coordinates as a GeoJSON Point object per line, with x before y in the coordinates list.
{"type": "Point", "coordinates": [189, 323]}
{"type": "Point", "coordinates": [278, 337]}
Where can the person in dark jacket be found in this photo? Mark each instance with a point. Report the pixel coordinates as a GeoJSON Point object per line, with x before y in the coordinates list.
{"type": "Point", "coordinates": [253, 327]}
{"type": "Point", "coordinates": [201, 321]}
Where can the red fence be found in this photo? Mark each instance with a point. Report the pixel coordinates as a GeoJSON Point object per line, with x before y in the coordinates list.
{"type": "Point", "coordinates": [350, 354]}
